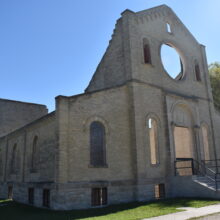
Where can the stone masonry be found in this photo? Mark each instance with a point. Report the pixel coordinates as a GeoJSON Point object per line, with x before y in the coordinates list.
{"type": "Point", "coordinates": [45, 159]}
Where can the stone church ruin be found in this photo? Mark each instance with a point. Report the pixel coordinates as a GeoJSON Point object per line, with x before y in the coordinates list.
{"type": "Point", "coordinates": [135, 134]}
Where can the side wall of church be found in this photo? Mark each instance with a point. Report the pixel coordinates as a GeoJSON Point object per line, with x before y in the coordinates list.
{"type": "Point", "coordinates": [16, 152]}
{"type": "Point", "coordinates": [14, 114]}
{"type": "Point", "coordinates": [112, 108]}
{"type": "Point", "coordinates": [150, 104]}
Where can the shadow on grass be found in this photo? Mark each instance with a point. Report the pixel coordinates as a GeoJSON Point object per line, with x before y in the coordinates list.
{"type": "Point", "coordinates": [15, 211]}
{"type": "Point", "coordinates": [10, 210]}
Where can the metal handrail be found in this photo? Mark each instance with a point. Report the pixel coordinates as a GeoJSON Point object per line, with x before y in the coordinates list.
{"type": "Point", "coordinates": [202, 168]}
{"type": "Point", "coordinates": [214, 173]}
{"type": "Point", "coordinates": [209, 163]}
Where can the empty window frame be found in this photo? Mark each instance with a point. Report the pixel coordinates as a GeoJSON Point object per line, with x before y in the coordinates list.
{"type": "Point", "coordinates": [34, 155]}
{"type": "Point", "coordinates": [13, 159]}
{"type": "Point", "coordinates": [97, 144]}
{"type": "Point", "coordinates": [46, 198]}
{"type": "Point", "coordinates": [31, 196]}
{"type": "Point", "coordinates": [153, 140]}
{"type": "Point", "coordinates": [159, 190]}
{"type": "Point", "coordinates": [168, 27]}
{"type": "Point", "coordinates": [146, 51]}
{"type": "Point", "coordinates": [197, 72]}
{"type": "Point", "coordinates": [99, 196]}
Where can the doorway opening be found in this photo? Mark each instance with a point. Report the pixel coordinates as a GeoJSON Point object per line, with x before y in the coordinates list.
{"type": "Point", "coordinates": [183, 151]}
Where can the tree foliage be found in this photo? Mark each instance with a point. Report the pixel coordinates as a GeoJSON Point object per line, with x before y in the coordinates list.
{"type": "Point", "coordinates": [214, 73]}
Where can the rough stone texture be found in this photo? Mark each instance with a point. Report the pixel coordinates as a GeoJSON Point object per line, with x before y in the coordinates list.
{"type": "Point", "coordinates": [15, 114]}
{"type": "Point", "coordinates": [24, 177]}
{"type": "Point", "coordinates": [123, 95]}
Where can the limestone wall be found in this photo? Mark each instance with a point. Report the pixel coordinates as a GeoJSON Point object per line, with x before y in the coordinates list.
{"type": "Point", "coordinates": [15, 114]}
{"type": "Point", "coordinates": [111, 107]}
{"type": "Point", "coordinates": [124, 93]}
{"type": "Point", "coordinates": [45, 130]}
{"type": "Point", "coordinates": [149, 103]}
{"type": "Point", "coordinates": [110, 70]}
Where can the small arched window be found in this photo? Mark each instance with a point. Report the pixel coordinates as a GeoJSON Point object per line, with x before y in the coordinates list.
{"type": "Point", "coordinates": [97, 144]}
{"type": "Point", "coordinates": [197, 72]}
{"type": "Point", "coordinates": [146, 51]}
{"type": "Point", "coordinates": [153, 139]}
{"type": "Point", "coordinates": [168, 28]}
{"type": "Point", "coordinates": [13, 159]}
{"type": "Point", "coordinates": [34, 155]}
{"type": "Point", "coordinates": [205, 137]}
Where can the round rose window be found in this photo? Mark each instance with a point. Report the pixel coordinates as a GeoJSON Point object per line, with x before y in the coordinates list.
{"type": "Point", "coordinates": [172, 62]}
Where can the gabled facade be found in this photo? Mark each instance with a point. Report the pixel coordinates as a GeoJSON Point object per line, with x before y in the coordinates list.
{"type": "Point", "coordinates": [136, 134]}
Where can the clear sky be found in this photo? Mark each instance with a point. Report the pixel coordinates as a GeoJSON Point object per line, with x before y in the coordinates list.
{"type": "Point", "coordinates": [52, 47]}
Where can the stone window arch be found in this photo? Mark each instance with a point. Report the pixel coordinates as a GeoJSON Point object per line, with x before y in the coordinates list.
{"type": "Point", "coordinates": [97, 144]}
{"type": "Point", "coordinates": [183, 114]}
{"type": "Point", "coordinates": [13, 159]}
{"type": "Point", "coordinates": [153, 129]}
{"type": "Point", "coordinates": [205, 140]}
{"type": "Point", "coordinates": [146, 51]}
{"type": "Point", "coordinates": [34, 156]}
{"type": "Point", "coordinates": [197, 71]}
{"type": "Point", "coordinates": [168, 27]}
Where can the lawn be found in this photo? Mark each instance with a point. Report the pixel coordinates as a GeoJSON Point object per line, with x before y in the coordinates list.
{"type": "Point", "coordinates": [10, 210]}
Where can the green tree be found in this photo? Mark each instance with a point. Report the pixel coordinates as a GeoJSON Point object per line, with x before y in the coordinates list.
{"type": "Point", "coordinates": [214, 73]}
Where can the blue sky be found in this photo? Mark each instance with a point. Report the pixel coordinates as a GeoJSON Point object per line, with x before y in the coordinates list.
{"type": "Point", "coordinates": [52, 47]}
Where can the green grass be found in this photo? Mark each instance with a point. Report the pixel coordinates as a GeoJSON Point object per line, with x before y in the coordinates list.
{"type": "Point", "coordinates": [10, 210]}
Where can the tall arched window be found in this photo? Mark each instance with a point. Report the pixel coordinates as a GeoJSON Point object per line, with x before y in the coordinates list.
{"type": "Point", "coordinates": [168, 28]}
{"type": "Point", "coordinates": [34, 155]}
{"type": "Point", "coordinates": [205, 136]}
{"type": "Point", "coordinates": [146, 51]}
{"type": "Point", "coordinates": [153, 139]}
{"type": "Point", "coordinates": [97, 144]}
{"type": "Point", "coordinates": [13, 159]}
{"type": "Point", "coordinates": [197, 72]}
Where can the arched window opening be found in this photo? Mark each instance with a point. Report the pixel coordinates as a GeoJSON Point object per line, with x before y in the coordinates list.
{"type": "Point", "coordinates": [13, 159]}
{"type": "Point", "coordinates": [168, 28]}
{"type": "Point", "coordinates": [205, 136]}
{"type": "Point", "coordinates": [97, 144]}
{"type": "Point", "coordinates": [153, 136]}
{"type": "Point", "coordinates": [197, 72]}
{"type": "Point", "coordinates": [34, 155]}
{"type": "Point", "coordinates": [146, 49]}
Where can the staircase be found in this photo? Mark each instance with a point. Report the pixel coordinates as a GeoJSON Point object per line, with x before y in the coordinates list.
{"type": "Point", "coordinates": [205, 172]}
{"type": "Point", "coordinates": [206, 182]}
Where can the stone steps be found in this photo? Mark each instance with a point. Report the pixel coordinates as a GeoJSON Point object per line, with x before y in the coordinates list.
{"type": "Point", "coordinates": [205, 181]}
